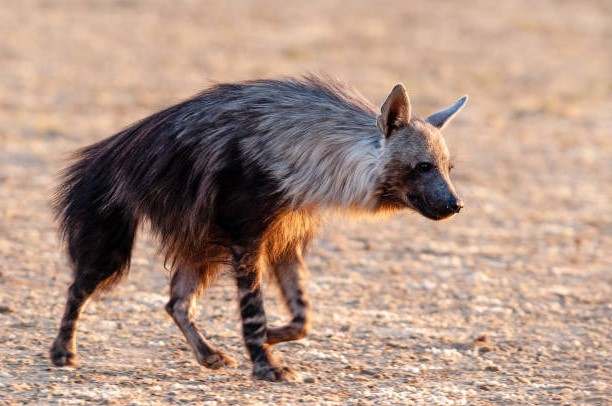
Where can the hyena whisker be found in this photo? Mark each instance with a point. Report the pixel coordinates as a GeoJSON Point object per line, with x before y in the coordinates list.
{"type": "Point", "coordinates": [237, 178]}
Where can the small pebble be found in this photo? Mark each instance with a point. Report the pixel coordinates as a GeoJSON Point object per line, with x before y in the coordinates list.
{"type": "Point", "coordinates": [6, 309]}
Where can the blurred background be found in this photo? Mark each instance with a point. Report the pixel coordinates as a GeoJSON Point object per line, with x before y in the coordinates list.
{"type": "Point", "coordinates": [527, 263]}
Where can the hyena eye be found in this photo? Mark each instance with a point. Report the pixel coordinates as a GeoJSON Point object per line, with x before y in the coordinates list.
{"type": "Point", "coordinates": [424, 166]}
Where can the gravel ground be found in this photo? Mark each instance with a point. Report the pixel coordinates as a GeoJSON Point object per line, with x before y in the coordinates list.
{"type": "Point", "coordinates": [507, 303]}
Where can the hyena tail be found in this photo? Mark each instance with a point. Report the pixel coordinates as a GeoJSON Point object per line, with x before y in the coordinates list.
{"type": "Point", "coordinates": [98, 229]}
{"type": "Point", "coordinates": [99, 234]}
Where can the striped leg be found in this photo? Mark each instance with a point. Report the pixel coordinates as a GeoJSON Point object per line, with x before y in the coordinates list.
{"type": "Point", "coordinates": [288, 272]}
{"type": "Point", "coordinates": [185, 287]}
{"type": "Point", "coordinates": [254, 324]}
{"type": "Point", "coordinates": [100, 250]}
{"type": "Point", "coordinates": [63, 351]}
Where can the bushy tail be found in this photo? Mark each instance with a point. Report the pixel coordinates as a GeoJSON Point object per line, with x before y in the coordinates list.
{"type": "Point", "coordinates": [98, 230]}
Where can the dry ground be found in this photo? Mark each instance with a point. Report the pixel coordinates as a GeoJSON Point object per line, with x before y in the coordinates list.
{"type": "Point", "coordinates": [401, 305]}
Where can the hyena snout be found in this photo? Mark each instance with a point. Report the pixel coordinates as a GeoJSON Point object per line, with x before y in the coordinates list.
{"type": "Point", "coordinates": [445, 206]}
{"type": "Point", "coordinates": [436, 203]}
{"type": "Point", "coordinates": [455, 204]}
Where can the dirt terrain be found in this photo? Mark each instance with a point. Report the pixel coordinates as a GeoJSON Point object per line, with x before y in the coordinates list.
{"type": "Point", "coordinates": [508, 303]}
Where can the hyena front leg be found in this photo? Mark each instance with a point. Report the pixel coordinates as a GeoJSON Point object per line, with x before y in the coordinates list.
{"type": "Point", "coordinates": [186, 286]}
{"type": "Point", "coordinates": [254, 324]}
{"type": "Point", "coordinates": [288, 271]}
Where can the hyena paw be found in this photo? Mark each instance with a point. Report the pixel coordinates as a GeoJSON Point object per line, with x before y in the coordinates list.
{"type": "Point", "coordinates": [62, 358]}
{"type": "Point", "coordinates": [277, 335]}
{"type": "Point", "coordinates": [216, 360]}
{"type": "Point", "coordinates": [274, 373]}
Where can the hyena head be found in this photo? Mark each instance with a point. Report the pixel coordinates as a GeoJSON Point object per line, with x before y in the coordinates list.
{"type": "Point", "coordinates": [416, 160]}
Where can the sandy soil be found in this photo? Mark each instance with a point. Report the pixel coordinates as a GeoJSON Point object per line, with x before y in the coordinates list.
{"type": "Point", "coordinates": [507, 303]}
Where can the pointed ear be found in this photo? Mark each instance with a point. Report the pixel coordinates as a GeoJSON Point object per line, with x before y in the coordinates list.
{"type": "Point", "coordinates": [395, 111]}
{"type": "Point", "coordinates": [443, 117]}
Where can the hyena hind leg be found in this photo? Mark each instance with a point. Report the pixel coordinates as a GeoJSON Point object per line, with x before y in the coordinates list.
{"type": "Point", "coordinates": [288, 272]}
{"type": "Point", "coordinates": [186, 286]}
{"type": "Point", "coordinates": [100, 250]}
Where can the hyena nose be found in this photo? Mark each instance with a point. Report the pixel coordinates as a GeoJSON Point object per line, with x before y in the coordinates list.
{"type": "Point", "coordinates": [455, 204]}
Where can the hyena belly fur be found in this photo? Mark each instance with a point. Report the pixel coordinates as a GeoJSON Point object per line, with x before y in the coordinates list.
{"type": "Point", "coordinates": [236, 178]}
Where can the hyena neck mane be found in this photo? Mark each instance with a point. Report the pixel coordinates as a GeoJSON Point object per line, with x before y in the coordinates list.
{"type": "Point", "coordinates": [322, 145]}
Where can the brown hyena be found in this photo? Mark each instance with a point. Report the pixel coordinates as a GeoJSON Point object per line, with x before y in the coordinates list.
{"type": "Point", "coordinates": [236, 178]}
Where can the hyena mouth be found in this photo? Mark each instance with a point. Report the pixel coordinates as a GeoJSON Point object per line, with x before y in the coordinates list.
{"type": "Point", "coordinates": [420, 205]}
{"type": "Point", "coordinates": [416, 201]}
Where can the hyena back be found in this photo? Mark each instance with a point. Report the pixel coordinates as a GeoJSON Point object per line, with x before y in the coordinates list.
{"type": "Point", "coordinates": [236, 178]}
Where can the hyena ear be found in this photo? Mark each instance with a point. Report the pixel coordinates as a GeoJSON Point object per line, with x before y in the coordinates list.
{"type": "Point", "coordinates": [443, 117]}
{"type": "Point", "coordinates": [395, 111]}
